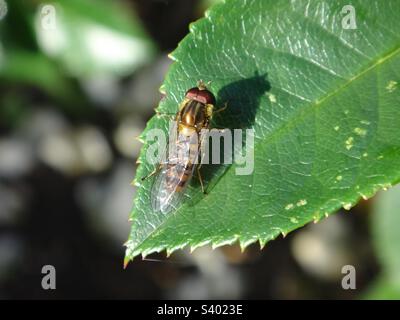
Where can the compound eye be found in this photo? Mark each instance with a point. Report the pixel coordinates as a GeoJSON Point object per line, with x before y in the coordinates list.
{"type": "Point", "coordinates": [206, 97]}
{"type": "Point", "coordinates": [192, 93]}
{"type": "Point", "coordinates": [201, 95]}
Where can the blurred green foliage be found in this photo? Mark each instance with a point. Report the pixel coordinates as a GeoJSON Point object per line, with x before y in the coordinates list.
{"type": "Point", "coordinates": [385, 225]}
{"type": "Point", "coordinates": [54, 45]}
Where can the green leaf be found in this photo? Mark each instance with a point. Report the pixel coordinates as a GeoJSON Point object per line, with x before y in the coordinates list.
{"type": "Point", "coordinates": [324, 104]}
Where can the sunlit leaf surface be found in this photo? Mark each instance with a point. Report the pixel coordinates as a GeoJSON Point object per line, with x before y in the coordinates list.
{"type": "Point", "coordinates": [323, 101]}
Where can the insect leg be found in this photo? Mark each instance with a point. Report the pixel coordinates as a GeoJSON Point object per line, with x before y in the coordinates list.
{"type": "Point", "coordinates": [222, 109]}
{"type": "Point", "coordinates": [171, 116]}
{"type": "Point", "coordinates": [156, 170]}
{"type": "Point", "coordinates": [200, 179]}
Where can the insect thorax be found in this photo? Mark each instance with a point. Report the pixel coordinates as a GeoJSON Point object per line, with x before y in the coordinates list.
{"type": "Point", "coordinates": [194, 114]}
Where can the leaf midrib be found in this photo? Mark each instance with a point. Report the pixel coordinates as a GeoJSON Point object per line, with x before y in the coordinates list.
{"type": "Point", "coordinates": [298, 116]}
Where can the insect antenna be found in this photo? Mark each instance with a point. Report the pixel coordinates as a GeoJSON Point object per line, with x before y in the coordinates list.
{"type": "Point", "coordinates": [175, 262]}
{"type": "Point", "coordinates": [203, 85]}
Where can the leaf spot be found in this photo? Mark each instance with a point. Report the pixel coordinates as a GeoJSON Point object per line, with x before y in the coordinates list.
{"type": "Point", "coordinates": [289, 206]}
{"type": "Point", "coordinates": [391, 86]}
{"type": "Point", "coordinates": [349, 143]}
{"type": "Point", "coordinates": [361, 132]}
{"type": "Point", "coordinates": [301, 203]}
{"type": "Point", "coordinates": [294, 220]}
{"type": "Point", "coordinates": [272, 97]}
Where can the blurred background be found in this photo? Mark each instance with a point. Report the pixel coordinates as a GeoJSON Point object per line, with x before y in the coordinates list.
{"type": "Point", "coordinates": [78, 81]}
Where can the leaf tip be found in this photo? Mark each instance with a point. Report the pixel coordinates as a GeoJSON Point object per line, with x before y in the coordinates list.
{"type": "Point", "coordinates": [363, 196]}
{"type": "Point", "coordinates": [347, 206]}
{"type": "Point", "coordinates": [192, 248]}
{"type": "Point", "coordinates": [135, 183]}
{"type": "Point", "coordinates": [139, 138]}
{"type": "Point", "coordinates": [262, 243]}
{"type": "Point", "coordinates": [169, 252]}
{"type": "Point", "coordinates": [172, 56]}
{"type": "Point", "coordinates": [192, 27]}
{"type": "Point", "coordinates": [162, 89]}
{"type": "Point", "coordinates": [245, 243]}
{"type": "Point", "coordinates": [126, 262]}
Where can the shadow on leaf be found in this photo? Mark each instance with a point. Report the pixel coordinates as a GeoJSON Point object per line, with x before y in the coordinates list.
{"type": "Point", "coordinates": [243, 99]}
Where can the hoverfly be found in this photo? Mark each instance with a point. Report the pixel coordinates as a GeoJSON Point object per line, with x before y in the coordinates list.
{"type": "Point", "coordinates": [187, 137]}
